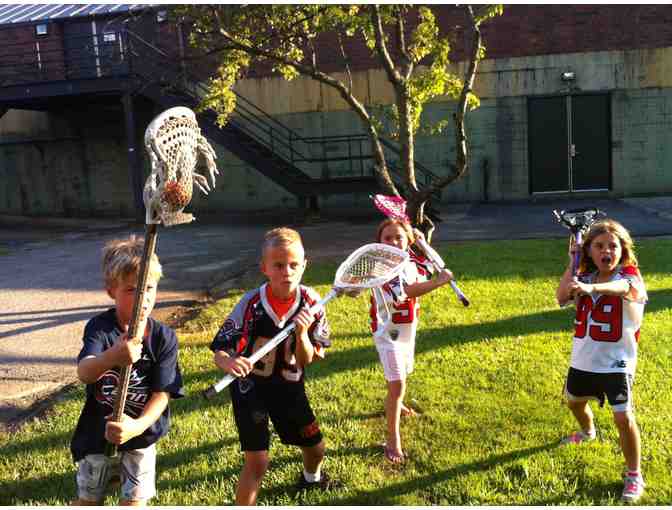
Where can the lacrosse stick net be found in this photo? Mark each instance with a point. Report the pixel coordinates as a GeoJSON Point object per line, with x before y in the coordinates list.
{"type": "Point", "coordinates": [578, 221]}
{"type": "Point", "coordinates": [395, 208]}
{"type": "Point", "coordinates": [174, 144]}
{"type": "Point", "coordinates": [369, 266]}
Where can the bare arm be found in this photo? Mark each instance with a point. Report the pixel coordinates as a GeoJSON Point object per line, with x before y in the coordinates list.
{"type": "Point", "coordinates": [305, 351]}
{"type": "Point", "coordinates": [421, 288]}
{"type": "Point", "coordinates": [122, 353]}
{"type": "Point", "coordinates": [563, 294]}
{"type": "Point", "coordinates": [118, 432]}
{"type": "Point", "coordinates": [238, 366]}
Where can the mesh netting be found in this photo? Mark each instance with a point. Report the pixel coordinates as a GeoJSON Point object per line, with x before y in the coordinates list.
{"type": "Point", "coordinates": [174, 143]}
{"type": "Point", "coordinates": [370, 266]}
{"type": "Point", "coordinates": [391, 206]}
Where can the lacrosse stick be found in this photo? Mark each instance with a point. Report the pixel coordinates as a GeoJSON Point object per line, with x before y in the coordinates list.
{"type": "Point", "coordinates": [174, 143]}
{"type": "Point", "coordinates": [578, 221]}
{"type": "Point", "coordinates": [371, 265]}
{"type": "Point", "coordinates": [395, 208]}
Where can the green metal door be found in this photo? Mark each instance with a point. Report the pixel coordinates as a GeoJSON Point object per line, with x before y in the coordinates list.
{"type": "Point", "coordinates": [590, 143]}
{"type": "Point", "coordinates": [569, 143]}
{"type": "Point", "coordinates": [548, 156]}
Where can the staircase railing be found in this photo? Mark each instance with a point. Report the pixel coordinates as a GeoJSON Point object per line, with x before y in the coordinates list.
{"type": "Point", "coordinates": [338, 156]}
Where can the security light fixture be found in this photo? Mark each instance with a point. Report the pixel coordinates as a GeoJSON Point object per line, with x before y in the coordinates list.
{"type": "Point", "coordinates": [41, 29]}
{"type": "Point", "coordinates": [568, 76]}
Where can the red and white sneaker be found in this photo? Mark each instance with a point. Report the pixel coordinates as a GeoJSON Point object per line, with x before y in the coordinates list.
{"type": "Point", "coordinates": [633, 488]}
{"type": "Point", "coordinates": [578, 437]}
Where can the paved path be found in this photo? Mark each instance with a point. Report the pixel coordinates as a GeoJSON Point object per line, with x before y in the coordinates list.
{"type": "Point", "coordinates": [51, 277]}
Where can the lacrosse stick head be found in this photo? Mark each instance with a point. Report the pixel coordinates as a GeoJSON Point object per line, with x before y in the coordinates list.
{"type": "Point", "coordinates": [578, 221]}
{"type": "Point", "coordinates": [391, 206]}
{"type": "Point", "coordinates": [371, 265]}
{"type": "Point", "coordinates": [174, 143]}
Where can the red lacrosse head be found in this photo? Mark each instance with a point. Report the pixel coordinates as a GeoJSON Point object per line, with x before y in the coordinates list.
{"type": "Point", "coordinates": [391, 206]}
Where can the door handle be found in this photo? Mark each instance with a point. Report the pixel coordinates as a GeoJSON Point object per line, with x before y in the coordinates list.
{"type": "Point", "coordinates": [572, 150]}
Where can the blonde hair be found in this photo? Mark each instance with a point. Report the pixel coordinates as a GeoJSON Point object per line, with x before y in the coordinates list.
{"type": "Point", "coordinates": [391, 221]}
{"type": "Point", "coordinates": [609, 226]}
{"type": "Point", "coordinates": [281, 236]}
{"type": "Point", "coordinates": [122, 257]}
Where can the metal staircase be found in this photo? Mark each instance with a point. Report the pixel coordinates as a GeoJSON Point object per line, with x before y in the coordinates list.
{"type": "Point", "coordinates": [274, 149]}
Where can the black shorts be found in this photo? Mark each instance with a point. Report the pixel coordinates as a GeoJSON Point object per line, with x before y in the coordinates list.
{"type": "Point", "coordinates": [285, 404]}
{"type": "Point", "coordinates": [616, 386]}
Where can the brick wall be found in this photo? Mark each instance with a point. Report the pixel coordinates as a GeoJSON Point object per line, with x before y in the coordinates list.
{"type": "Point", "coordinates": [526, 30]}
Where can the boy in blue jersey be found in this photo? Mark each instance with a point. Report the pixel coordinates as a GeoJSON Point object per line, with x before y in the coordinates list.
{"type": "Point", "coordinates": [155, 378]}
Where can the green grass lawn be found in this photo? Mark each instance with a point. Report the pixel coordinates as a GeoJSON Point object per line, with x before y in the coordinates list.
{"type": "Point", "coordinates": [488, 377]}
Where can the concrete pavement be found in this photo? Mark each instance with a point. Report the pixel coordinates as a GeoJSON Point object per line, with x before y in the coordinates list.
{"type": "Point", "coordinates": [51, 278]}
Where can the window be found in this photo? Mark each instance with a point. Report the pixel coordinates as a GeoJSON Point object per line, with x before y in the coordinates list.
{"type": "Point", "coordinates": [41, 29]}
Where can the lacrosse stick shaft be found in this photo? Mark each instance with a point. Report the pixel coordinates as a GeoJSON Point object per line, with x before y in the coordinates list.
{"type": "Point", "coordinates": [578, 239]}
{"type": "Point", "coordinates": [439, 264]}
{"type": "Point", "coordinates": [268, 347]}
{"type": "Point", "coordinates": [125, 372]}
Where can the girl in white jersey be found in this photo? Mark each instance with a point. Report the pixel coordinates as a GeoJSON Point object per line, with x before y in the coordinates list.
{"type": "Point", "coordinates": [394, 321]}
{"type": "Point", "coordinates": [609, 295]}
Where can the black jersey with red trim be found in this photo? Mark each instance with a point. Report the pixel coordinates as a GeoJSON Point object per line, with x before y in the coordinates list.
{"type": "Point", "coordinates": [252, 323]}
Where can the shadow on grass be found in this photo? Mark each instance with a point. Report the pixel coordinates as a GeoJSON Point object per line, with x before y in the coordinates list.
{"type": "Point", "coordinates": [385, 495]}
{"type": "Point", "coordinates": [596, 494]}
{"type": "Point", "coordinates": [57, 485]}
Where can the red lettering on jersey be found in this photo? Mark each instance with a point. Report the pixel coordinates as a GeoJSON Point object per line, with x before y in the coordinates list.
{"type": "Point", "coordinates": [608, 310]}
{"type": "Point", "coordinates": [405, 312]}
{"type": "Point", "coordinates": [310, 430]}
{"type": "Point", "coordinates": [372, 314]}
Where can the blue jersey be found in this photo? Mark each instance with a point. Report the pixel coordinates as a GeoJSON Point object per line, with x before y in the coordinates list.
{"type": "Point", "coordinates": [157, 370]}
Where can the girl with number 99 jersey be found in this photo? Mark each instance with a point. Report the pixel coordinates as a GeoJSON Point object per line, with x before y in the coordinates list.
{"type": "Point", "coordinates": [610, 295]}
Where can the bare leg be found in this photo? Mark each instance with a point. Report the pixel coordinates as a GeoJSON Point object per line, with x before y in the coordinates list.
{"type": "Point", "coordinates": [628, 433]}
{"type": "Point", "coordinates": [393, 403]}
{"type": "Point", "coordinates": [256, 464]}
{"type": "Point", "coordinates": [313, 457]}
{"type": "Point", "coordinates": [133, 502]}
{"type": "Point", "coordinates": [583, 414]}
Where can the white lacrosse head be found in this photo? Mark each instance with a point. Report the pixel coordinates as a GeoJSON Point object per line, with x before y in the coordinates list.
{"type": "Point", "coordinates": [371, 265]}
{"type": "Point", "coordinates": [174, 143]}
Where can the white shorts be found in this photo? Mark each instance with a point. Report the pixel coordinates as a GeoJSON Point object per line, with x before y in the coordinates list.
{"type": "Point", "coordinates": [135, 468]}
{"type": "Point", "coordinates": [397, 362]}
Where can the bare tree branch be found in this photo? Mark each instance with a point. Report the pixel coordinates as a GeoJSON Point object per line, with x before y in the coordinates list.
{"type": "Point", "coordinates": [345, 62]}
{"type": "Point", "coordinates": [388, 65]}
{"type": "Point", "coordinates": [461, 158]}
{"type": "Point", "coordinates": [342, 89]}
{"type": "Point", "coordinates": [407, 62]}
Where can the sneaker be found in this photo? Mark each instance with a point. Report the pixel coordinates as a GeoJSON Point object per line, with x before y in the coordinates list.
{"type": "Point", "coordinates": [578, 437]}
{"type": "Point", "coordinates": [633, 488]}
{"type": "Point", "coordinates": [324, 483]}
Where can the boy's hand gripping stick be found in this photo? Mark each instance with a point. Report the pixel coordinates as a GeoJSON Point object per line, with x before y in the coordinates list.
{"type": "Point", "coordinates": [578, 221]}
{"type": "Point", "coordinates": [395, 207]}
{"type": "Point", "coordinates": [174, 143]}
{"type": "Point", "coordinates": [371, 265]}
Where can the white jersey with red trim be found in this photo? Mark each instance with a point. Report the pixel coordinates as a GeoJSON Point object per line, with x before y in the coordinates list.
{"type": "Point", "coordinates": [607, 327]}
{"type": "Point", "coordinates": [394, 315]}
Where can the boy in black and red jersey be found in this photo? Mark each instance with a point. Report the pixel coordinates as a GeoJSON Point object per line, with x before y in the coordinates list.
{"type": "Point", "coordinates": [610, 295]}
{"type": "Point", "coordinates": [273, 387]}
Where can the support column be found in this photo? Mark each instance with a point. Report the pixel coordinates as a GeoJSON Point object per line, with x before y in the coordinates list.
{"type": "Point", "coordinates": [134, 166]}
